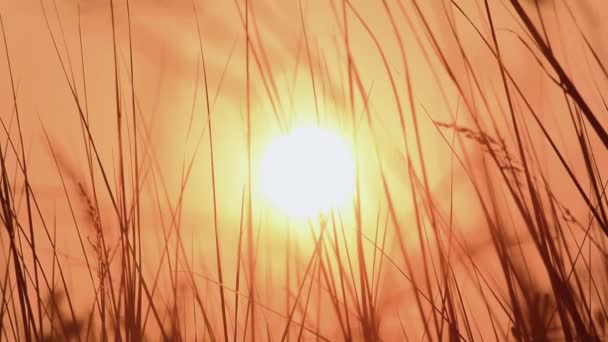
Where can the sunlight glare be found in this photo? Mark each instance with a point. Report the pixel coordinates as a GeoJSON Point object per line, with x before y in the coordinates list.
{"type": "Point", "coordinates": [308, 172]}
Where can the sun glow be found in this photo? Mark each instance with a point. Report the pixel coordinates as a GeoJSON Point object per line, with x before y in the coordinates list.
{"type": "Point", "coordinates": [308, 172]}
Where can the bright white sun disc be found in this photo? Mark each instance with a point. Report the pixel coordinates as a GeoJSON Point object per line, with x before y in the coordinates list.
{"type": "Point", "coordinates": [307, 172]}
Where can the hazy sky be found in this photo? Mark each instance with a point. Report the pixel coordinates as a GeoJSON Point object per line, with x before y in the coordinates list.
{"type": "Point", "coordinates": [170, 94]}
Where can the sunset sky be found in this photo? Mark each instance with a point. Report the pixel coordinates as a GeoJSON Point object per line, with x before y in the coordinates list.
{"type": "Point", "coordinates": [423, 94]}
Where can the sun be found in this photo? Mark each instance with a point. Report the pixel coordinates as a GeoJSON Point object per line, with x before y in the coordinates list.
{"type": "Point", "coordinates": [307, 172]}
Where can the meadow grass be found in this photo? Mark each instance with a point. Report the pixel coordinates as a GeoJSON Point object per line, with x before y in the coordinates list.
{"type": "Point", "coordinates": [405, 269]}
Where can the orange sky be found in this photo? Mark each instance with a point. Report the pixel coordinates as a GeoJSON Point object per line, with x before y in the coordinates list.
{"type": "Point", "coordinates": [166, 59]}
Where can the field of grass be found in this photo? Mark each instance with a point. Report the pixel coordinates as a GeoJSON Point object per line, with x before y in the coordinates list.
{"type": "Point", "coordinates": [132, 133]}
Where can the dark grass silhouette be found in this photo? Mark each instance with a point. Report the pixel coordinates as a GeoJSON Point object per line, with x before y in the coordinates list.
{"type": "Point", "coordinates": [549, 277]}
